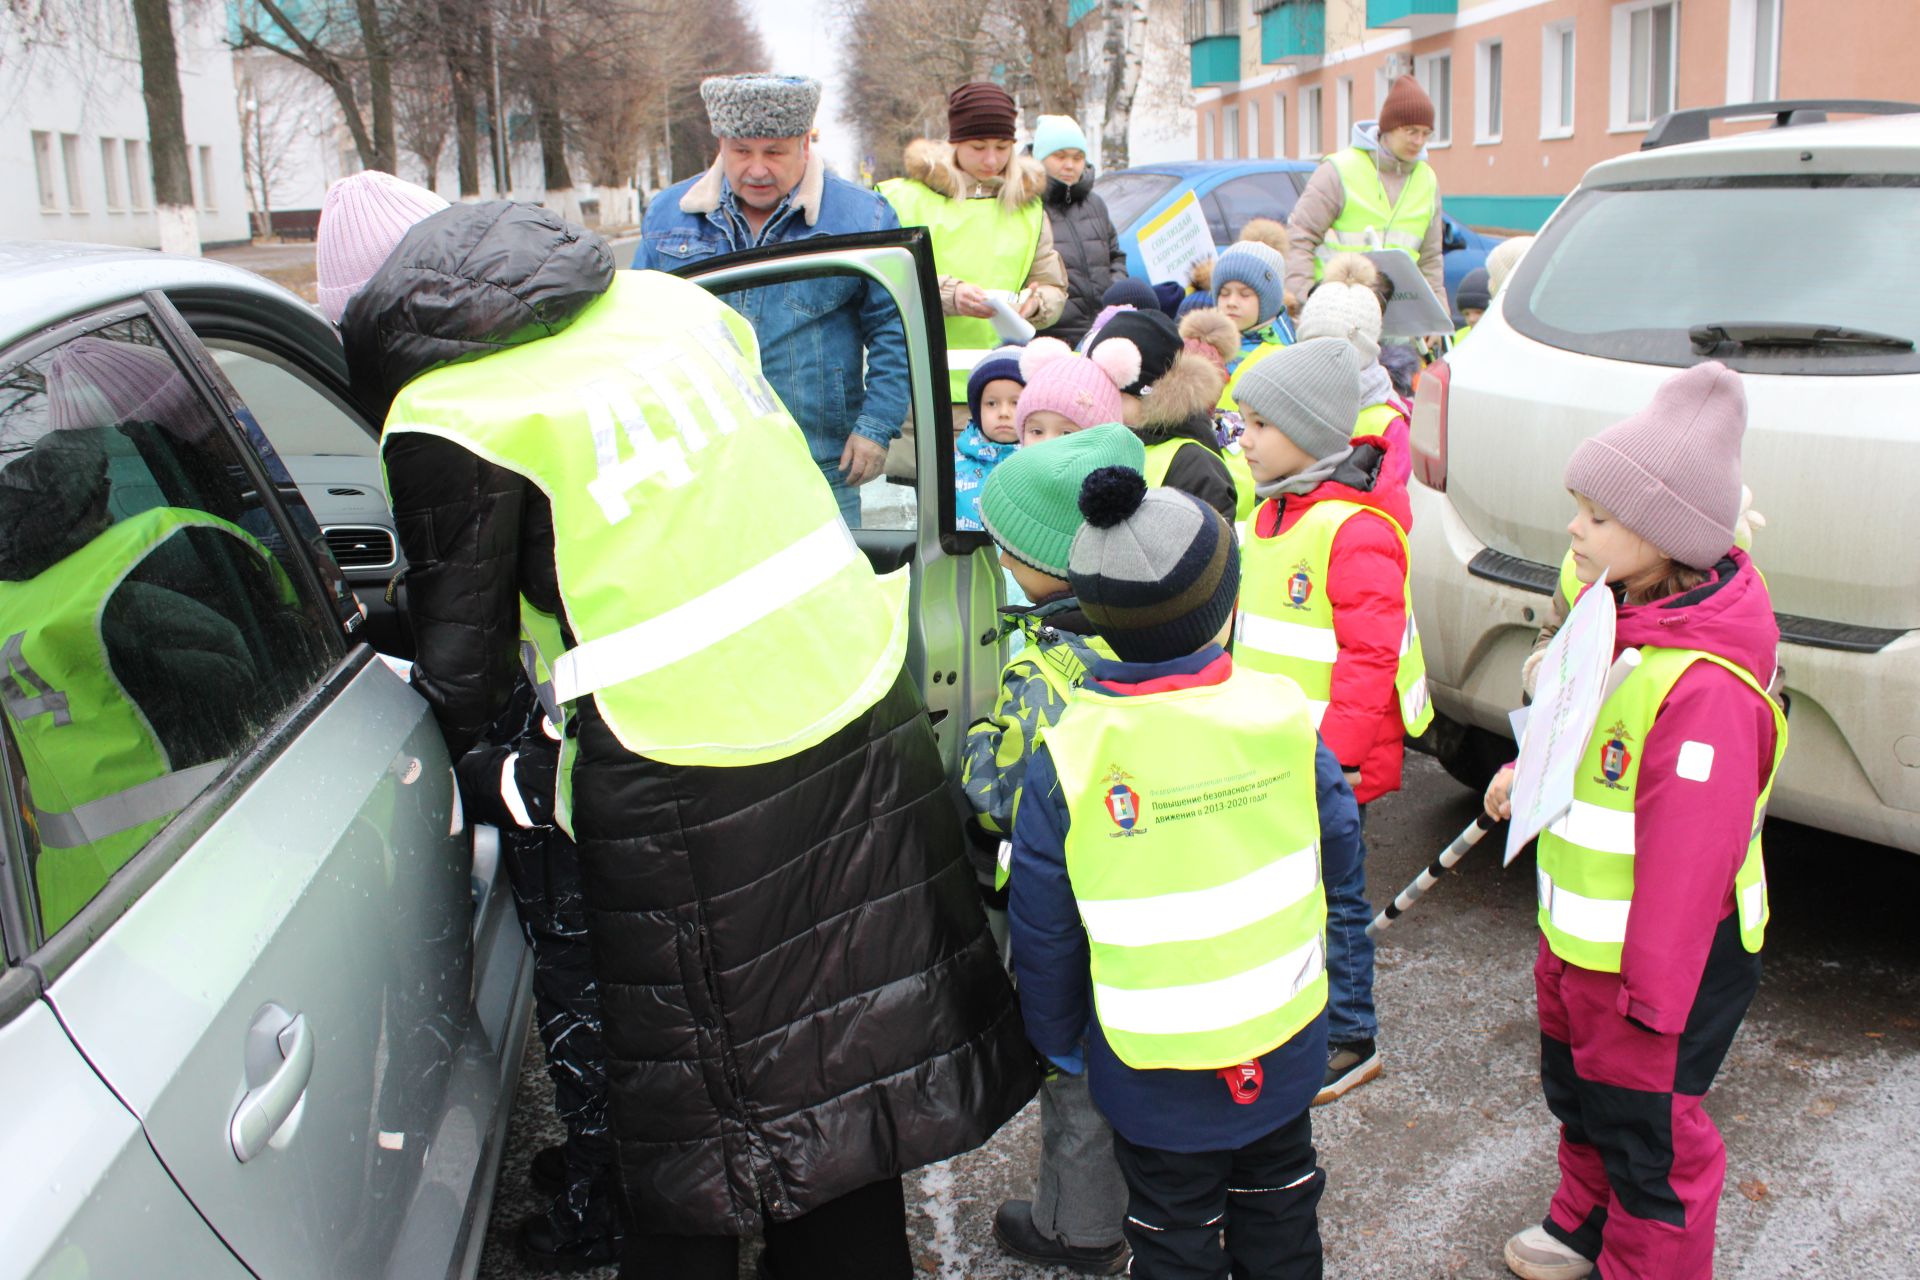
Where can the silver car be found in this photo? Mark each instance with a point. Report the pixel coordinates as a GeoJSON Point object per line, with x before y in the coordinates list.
{"type": "Point", "coordinates": [263, 1001]}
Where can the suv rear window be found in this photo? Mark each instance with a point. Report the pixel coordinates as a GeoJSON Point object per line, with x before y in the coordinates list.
{"type": "Point", "coordinates": [1130, 194]}
{"type": "Point", "coordinates": [1632, 273]}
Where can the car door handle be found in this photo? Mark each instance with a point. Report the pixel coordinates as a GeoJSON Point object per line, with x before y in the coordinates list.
{"type": "Point", "coordinates": [269, 1103]}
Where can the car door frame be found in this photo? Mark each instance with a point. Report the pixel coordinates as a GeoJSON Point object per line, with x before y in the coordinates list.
{"type": "Point", "coordinates": [954, 650]}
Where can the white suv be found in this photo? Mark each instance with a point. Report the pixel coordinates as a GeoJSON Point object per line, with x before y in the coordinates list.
{"type": "Point", "coordinates": [1791, 254]}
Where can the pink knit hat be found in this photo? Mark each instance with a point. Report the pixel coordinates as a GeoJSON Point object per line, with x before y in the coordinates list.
{"type": "Point", "coordinates": [1085, 390]}
{"type": "Point", "coordinates": [98, 382]}
{"type": "Point", "coordinates": [1671, 473]}
{"type": "Point", "coordinates": [364, 217]}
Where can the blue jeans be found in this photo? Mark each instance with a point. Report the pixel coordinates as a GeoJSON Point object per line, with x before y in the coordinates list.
{"type": "Point", "coordinates": [1350, 954]}
{"type": "Point", "coordinates": [846, 495]}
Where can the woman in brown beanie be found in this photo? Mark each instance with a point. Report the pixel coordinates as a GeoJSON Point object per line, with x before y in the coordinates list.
{"type": "Point", "coordinates": [1378, 193]}
{"type": "Point", "coordinates": [982, 204]}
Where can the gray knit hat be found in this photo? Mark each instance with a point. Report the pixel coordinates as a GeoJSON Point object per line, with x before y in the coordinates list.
{"type": "Point", "coordinates": [1157, 571]}
{"type": "Point", "coordinates": [1310, 390]}
{"type": "Point", "coordinates": [758, 105]}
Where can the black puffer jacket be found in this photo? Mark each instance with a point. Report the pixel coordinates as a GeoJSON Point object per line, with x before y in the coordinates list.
{"type": "Point", "coordinates": [799, 993]}
{"type": "Point", "coordinates": [1088, 245]}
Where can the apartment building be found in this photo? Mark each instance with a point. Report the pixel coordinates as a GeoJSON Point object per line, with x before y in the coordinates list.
{"type": "Point", "coordinates": [1528, 94]}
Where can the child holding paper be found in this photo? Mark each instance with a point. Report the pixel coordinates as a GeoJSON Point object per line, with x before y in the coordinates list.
{"type": "Point", "coordinates": [1653, 896]}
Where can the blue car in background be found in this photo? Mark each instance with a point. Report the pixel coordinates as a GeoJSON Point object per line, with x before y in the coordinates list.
{"type": "Point", "coordinates": [1234, 192]}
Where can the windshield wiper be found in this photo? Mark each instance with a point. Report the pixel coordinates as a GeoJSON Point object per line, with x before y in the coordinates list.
{"type": "Point", "coordinates": [1709, 337]}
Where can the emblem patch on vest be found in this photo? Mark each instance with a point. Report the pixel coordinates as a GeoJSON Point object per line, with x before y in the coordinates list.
{"type": "Point", "coordinates": [1124, 804]}
{"type": "Point", "coordinates": [1615, 757]}
{"type": "Point", "coordinates": [1300, 586]}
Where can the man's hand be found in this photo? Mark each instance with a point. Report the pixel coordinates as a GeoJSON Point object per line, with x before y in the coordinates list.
{"type": "Point", "coordinates": [1500, 795]}
{"type": "Point", "coordinates": [861, 460]}
{"type": "Point", "coordinates": [971, 300]}
{"type": "Point", "coordinates": [1029, 305]}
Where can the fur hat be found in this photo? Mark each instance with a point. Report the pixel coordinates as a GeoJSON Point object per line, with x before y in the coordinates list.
{"type": "Point", "coordinates": [1208, 333]}
{"type": "Point", "coordinates": [1346, 304]}
{"type": "Point", "coordinates": [1085, 390]}
{"type": "Point", "coordinates": [757, 105]}
{"type": "Point", "coordinates": [1270, 232]}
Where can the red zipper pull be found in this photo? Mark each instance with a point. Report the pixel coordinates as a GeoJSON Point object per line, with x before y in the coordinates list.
{"type": "Point", "coordinates": [1243, 1081]}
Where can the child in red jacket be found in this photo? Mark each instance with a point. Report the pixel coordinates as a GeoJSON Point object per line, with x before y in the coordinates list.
{"type": "Point", "coordinates": [1324, 600]}
{"type": "Point", "coordinates": [1653, 896]}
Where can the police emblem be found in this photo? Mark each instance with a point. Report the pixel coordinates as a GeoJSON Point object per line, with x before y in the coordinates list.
{"type": "Point", "coordinates": [1124, 804]}
{"type": "Point", "coordinates": [1615, 758]}
{"type": "Point", "coordinates": [1300, 585]}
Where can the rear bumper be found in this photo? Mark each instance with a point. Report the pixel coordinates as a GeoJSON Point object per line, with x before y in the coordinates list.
{"type": "Point", "coordinates": [1853, 761]}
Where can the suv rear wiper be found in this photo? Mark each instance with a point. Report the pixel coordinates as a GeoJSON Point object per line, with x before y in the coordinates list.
{"type": "Point", "coordinates": [1708, 337]}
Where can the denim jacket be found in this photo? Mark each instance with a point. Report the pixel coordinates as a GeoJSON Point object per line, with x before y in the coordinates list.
{"type": "Point", "coordinates": [813, 333]}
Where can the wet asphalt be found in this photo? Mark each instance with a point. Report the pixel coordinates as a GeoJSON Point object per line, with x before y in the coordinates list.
{"type": "Point", "coordinates": [1432, 1166]}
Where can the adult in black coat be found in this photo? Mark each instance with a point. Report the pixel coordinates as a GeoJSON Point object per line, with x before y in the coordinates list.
{"type": "Point", "coordinates": [1083, 233]}
{"type": "Point", "coordinates": [800, 998]}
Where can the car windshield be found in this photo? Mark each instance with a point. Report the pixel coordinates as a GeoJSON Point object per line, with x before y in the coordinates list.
{"type": "Point", "coordinates": [1647, 273]}
{"type": "Point", "coordinates": [1130, 194]}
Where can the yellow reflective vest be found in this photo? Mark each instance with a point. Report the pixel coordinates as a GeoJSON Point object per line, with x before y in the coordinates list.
{"type": "Point", "coordinates": [1368, 220]}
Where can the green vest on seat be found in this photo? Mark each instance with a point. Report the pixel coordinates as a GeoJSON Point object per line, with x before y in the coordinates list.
{"type": "Point", "coordinates": [1368, 220]}
{"type": "Point", "coordinates": [1585, 865]}
{"type": "Point", "coordinates": [1160, 461]}
{"type": "Point", "coordinates": [1193, 848]}
{"type": "Point", "coordinates": [99, 781]}
{"type": "Point", "coordinates": [1285, 623]}
{"type": "Point", "coordinates": [720, 611]}
{"type": "Point", "coordinates": [978, 241]}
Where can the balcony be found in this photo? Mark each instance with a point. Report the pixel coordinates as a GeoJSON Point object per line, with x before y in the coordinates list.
{"type": "Point", "coordinates": [1293, 31]}
{"type": "Point", "coordinates": [1216, 60]}
{"type": "Point", "coordinates": [1421, 17]}
{"type": "Point", "coordinates": [1078, 9]}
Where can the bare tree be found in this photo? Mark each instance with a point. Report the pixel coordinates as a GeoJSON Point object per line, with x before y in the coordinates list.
{"type": "Point", "coordinates": [166, 127]}
{"type": "Point", "coordinates": [277, 107]}
{"type": "Point", "coordinates": [1127, 25]}
{"type": "Point", "coordinates": [423, 116]}
{"type": "Point", "coordinates": [903, 58]}
{"type": "Point", "coordinates": [341, 47]}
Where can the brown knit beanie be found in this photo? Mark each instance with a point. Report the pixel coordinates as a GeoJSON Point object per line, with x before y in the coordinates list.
{"type": "Point", "coordinates": [980, 110]}
{"type": "Point", "coordinates": [1407, 103]}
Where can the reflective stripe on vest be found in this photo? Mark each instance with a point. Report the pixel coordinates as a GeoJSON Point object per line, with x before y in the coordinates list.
{"type": "Point", "coordinates": [980, 241]}
{"type": "Point", "coordinates": [144, 802]}
{"type": "Point", "coordinates": [1585, 869]}
{"type": "Point", "coordinates": [1193, 851]}
{"type": "Point", "coordinates": [720, 611]}
{"type": "Point", "coordinates": [1367, 220]}
{"type": "Point", "coordinates": [541, 644]}
{"type": "Point", "coordinates": [1285, 623]}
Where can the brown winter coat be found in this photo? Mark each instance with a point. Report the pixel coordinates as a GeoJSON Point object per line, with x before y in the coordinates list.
{"type": "Point", "coordinates": [1321, 203]}
{"type": "Point", "coordinates": [930, 163]}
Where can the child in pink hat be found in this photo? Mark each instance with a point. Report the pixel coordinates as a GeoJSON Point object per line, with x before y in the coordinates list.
{"type": "Point", "coordinates": [362, 221]}
{"type": "Point", "coordinates": [1652, 891]}
{"type": "Point", "coordinates": [1066, 392]}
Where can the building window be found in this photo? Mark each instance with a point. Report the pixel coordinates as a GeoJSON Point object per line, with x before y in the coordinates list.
{"type": "Point", "coordinates": [1753, 51]}
{"type": "Point", "coordinates": [1310, 148]}
{"type": "Point", "coordinates": [1556, 81]}
{"type": "Point", "coordinates": [1279, 125]}
{"type": "Point", "coordinates": [43, 170]}
{"type": "Point", "coordinates": [1206, 143]}
{"type": "Point", "coordinates": [1342, 110]}
{"type": "Point", "coordinates": [1488, 86]}
{"type": "Point", "coordinates": [1212, 18]}
{"type": "Point", "coordinates": [1230, 127]}
{"type": "Point", "coordinates": [139, 177]}
{"type": "Point", "coordinates": [1646, 53]}
{"type": "Point", "coordinates": [207, 201]}
{"type": "Point", "coordinates": [70, 162]}
{"type": "Point", "coordinates": [111, 175]}
{"type": "Point", "coordinates": [1435, 73]}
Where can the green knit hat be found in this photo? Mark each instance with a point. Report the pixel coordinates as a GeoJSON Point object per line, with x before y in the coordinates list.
{"type": "Point", "coordinates": [1031, 504]}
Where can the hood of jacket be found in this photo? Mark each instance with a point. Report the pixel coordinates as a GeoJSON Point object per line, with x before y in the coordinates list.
{"type": "Point", "coordinates": [1363, 478]}
{"type": "Point", "coordinates": [1366, 137]}
{"type": "Point", "coordinates": [1186, 392]}
{"type": "Point", "coordinates": [705, 195]}
{"type": "Point", "coordinates": [930, 162]}
{"type": "Point", "coordinates": [973, 443]}
{"type": "Point", "coordinates": [471, 280]}
{"type": "Point", "coordinates": [1059, 193]}
{"type": "Point", "coordinates": [1730, 615]}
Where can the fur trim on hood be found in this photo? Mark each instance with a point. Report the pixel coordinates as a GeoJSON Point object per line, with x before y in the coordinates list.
{"type": "Point", "coordinates": [1190, 388]}
{"type": "Point", "coordinates": [930, 162]}
{"type": "Point", "coordinates": [1211, 326]}
{"type": "Point", "coordinates": [703, 197]}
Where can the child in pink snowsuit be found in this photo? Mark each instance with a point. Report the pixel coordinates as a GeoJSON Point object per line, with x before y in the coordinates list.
{"type": "Point", "coordinates": [1653, 899]}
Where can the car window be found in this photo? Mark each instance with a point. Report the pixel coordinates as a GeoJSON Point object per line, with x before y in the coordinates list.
{"type": "Point", "coordinates": [298, 417]}
{"type": "Point", "coordinates": [1129, 194]}
{"type": "Point", "coordinates": [1630, 273]}
{"type": "Point", "coordinates": [153, 620]}
{"type": "Point", "coordinates": [1233, 204]}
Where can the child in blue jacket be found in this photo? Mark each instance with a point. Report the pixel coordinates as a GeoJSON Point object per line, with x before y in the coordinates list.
{"type": "Point", "coordinates": [992, 432]}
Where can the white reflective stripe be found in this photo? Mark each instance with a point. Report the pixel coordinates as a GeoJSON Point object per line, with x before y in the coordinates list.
{"type": "Point", "coordinates": [1407, 633]}
{"type": "Point", "coordinates": [1753, 904]}
{"type": "Point", "coordinates": [1592, 827]}
{"type": "Point", "coordinates": [1414, 701]}
{"type": "Point", "coordinates": [1210, 1006]}
{"type": "Point", "coordinates": [155, 798]}
{"type": "Point", "coordinates": [1319, 711]}
{"type": "Point", "coordinates": [1589, 919]}
{"type": "Point", "coordinates": [728, 609]}
{"type": "Point", "coordinates": [510, 792]}
{"type": "Point", "coordinates": [1203, 913]}
{"type": "Point", "coordinates": [1289, 639]}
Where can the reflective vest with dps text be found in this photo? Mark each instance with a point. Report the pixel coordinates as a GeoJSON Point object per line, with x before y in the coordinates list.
{"type": "Point", "coordinates": [1368, 220]}
{"type": "Point", "coordinates": [719, 609]}
{"type": "Point", "coordinates": [1193, 849]}
{"type": "Point", "coordinates": [100, 783]}
{"type": "Point", "coordinates": [1585, 864]}
{"type": "Point", "coordinates": [1286, 619]}
{"type": "Point", "coordinates": [980, 241]}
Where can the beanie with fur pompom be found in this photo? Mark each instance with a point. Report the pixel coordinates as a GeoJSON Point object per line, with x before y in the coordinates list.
{"type": "Point", "coordinates": [1346, 305]}
{"type": "Point", "coordinates": [1085, 390]}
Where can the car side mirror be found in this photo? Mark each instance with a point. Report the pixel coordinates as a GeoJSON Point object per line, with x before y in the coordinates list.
{"type": "Point", "coordinates": [1452, 236]}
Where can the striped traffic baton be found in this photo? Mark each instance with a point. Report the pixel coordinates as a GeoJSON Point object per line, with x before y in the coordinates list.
{"type": "Point", "coordinates": [1426, 879]}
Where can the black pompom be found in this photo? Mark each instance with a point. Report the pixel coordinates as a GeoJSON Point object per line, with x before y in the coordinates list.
{"type": "Point", "coordinates": [1110, 495]}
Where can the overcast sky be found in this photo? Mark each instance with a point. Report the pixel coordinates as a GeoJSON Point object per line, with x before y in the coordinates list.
{"type": "Point", "coordinates": [802, 38]}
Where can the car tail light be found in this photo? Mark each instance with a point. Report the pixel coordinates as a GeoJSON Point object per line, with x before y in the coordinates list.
{"type": "Point", "coordinates": [1428, 435]}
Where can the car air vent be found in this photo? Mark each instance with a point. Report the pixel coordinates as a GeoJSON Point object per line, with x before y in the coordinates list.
{"type": "Point", "coordinates": [348, 493]}
{"type": "Point", "coordinates": [361, 546]}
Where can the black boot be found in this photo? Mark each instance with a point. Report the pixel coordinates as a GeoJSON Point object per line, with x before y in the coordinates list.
{"type": "Point", "coordinates": [1014, 1230]}
{"type": "Point", "coordinates": [547, 1171]}
{"type": "Point", "coordinates": [561, 1240]}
